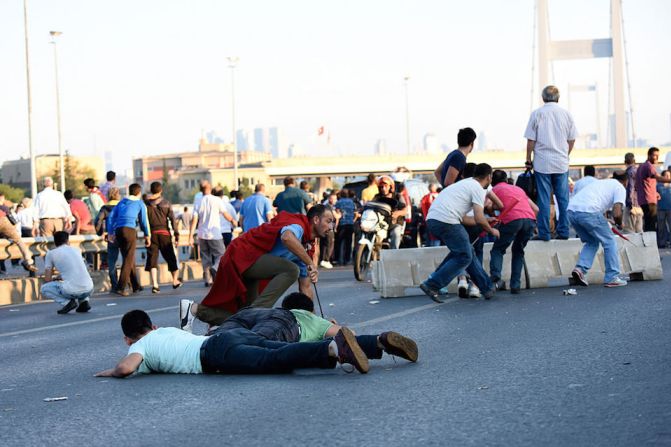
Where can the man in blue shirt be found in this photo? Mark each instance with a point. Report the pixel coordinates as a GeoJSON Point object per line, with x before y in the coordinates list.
{"type": "Point", "coordinates": [452, 168]}
{"type": "Point", "coordinates": [121, 224]}
{"type": "Point", "coordinates": [256, 210]}
{"type": "Point", "coordinates": [292, 199]}
{"type": "Point", "coordinates": [345, 205]}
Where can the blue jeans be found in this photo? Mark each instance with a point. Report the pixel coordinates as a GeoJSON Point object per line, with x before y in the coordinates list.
{"type": "Point", "coordinates": [518, 232]}
{"type": "Point", "coordinates": [54, 290]}
{"type": "Point", "coordinates": [112, 258]}
{"type": "Point", "coordinates": [593, 229]}
{"type": "Point", "coordinates": [546, 184]}
{"type": "Point", "coordinates": [461, 257]}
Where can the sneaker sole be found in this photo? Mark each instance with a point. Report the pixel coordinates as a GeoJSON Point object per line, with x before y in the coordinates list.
{"type": "Point", "coordinates": [580, 281]}
{"type": "Point", "coordinates": [184, 314]}
{"type": "Point", "coordinates": [406, 347]}
{"type": "Point", "coordinates": [359, 356]}
{"type": "Point", "coordinates": [435, 296]}
{"type": "Point", "coordinates": [609, 285]}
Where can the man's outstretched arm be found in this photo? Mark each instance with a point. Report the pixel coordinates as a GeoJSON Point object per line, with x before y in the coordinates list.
{"type": "Point", "coordinates": [126, 366]}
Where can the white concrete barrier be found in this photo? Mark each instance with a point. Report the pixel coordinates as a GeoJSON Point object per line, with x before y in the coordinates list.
{"type": "Point", "coordinates": [548, 264]}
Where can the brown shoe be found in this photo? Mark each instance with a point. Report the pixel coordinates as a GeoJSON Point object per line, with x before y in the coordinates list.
{"type": "Point", "coordinates": [400, 346]}
{"type": "Point", "coordinates": [349, 350]}
{"type": "Point", "coordinates": [29, 267]}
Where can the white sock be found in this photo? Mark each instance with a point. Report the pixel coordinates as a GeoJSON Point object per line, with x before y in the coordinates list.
{"type": "Point", "coordinates": [333, 349]}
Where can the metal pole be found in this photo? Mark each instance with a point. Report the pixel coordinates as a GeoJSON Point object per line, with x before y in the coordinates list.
{"type": "Point", "coordinates": [33, 177]}
{"type": "Point", "coordinates": [232, 61]}
{"type": "Point", "coordinates": [54, 35]}
{"type": "Point", "coordinates": [407, 115]}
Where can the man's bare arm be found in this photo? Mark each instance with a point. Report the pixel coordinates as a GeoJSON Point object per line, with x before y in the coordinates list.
{"type": "Point", "coordinates": [451, 176]}
{"type": "Point", "coordinates": [126, 366]}
{"type": "Point", "coordinates": [617, 214]}
{"type": "Point", "coordinates": [292, 243]}
{"type": "Point", "coordinates": [533, 206]}
{"type": "Point", "coordinates": [530, 149]}
{"type": "Point", "coordinates": [480, 219]}
{"type": "Point", "coordinates": [439, 171]}
{"type": "Point", "coordinates": [570, 145]}
{"type": "Point", "coordinates": [48, 274]}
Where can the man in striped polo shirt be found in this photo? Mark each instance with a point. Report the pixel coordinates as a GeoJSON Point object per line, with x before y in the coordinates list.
{"type": "Point", "coordinates": [550, 136]}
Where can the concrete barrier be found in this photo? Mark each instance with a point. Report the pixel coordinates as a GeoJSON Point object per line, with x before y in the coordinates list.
{"type": "Point", "coordinates": [548, 264]}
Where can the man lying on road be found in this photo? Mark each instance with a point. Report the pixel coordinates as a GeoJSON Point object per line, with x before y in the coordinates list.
{"type": "Point", "coordinates": [238, 351]}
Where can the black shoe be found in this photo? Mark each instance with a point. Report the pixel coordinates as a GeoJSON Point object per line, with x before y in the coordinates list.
{"type": "Point", "coordinates": [431, 293]}
{"type": "Point", "coordinates": [579, 277]}
{"type": "Point", "coordinates": [155, 290]}
{"type": "Point", "coordinates": [400, 346]}
{"type": "Point", "coordinates": [488, 295]}
{"type": "Point", "coordinates": [138, 290]}
{"type": "Point", "coordinates": [178, 285]}
{"type": "Point", "coordinates": [514, 291]}
{"type": "Point", "coordinates": [84, 307]}
{"type": "Point", "coordinates": [29, 267]}
{"type": "Point", "coordinates": [499, 284]}
{"type": "Point", "coordinates": [68, 307]}
{"type": "Point", "coordinates": [349, 350]}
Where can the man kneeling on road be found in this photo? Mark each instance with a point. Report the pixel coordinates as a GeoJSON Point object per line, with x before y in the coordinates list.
{"type": "Point", "coordinates": [586, 212]}
{"type": "Point", "coordinates": [76, 287]}
{"type": "Point", "coordinates": [446, 220]}
{"type": "Point", "coordinates": [278, 252]}
{"type": "Point", "coordinates": [238, 351]}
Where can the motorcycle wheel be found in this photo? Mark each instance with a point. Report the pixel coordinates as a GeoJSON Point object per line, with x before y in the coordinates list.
{"type": "Point", "coordinates": [361, 262]}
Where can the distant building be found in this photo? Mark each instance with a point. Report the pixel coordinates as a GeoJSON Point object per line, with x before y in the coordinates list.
{"type": "Point", "coordinates": [431, 145]}
{"type": "Point", "coordinates": [17, 172]}
{"type": "Point", "coordinates": [381, 147]}
{"type": "Point", "coordinates": [482, 141]}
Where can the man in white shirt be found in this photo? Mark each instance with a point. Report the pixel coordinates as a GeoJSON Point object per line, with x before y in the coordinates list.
{"type": "Point", "coordinates": [586, 214]}
{"type": "Point", "coordinates": [229, 220]}
{"type": "Point", "coordinates": [76, 286]}
{"type": "Point", "coordinates": [550, 136]}
{"type": "Point", "coordinates": [52, 212]}
{"type": "Point", "coordinates": [589, 176]}
{"type": "Point", "coordinates": [446, 219]}
{"type": "Point", "coordinates": [210, 240]}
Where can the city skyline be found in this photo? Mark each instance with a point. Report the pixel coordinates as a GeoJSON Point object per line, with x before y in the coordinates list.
{"type": "Point", "coordinates": [150, 77]}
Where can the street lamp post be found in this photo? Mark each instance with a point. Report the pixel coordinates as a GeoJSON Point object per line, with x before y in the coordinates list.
{"type": "Point", "coordinates": [407, 114]}
{"type": "Point", "coordinates": [232, 61]}
{"type": "Point", "coordinates": [54, 35]}
{"type": "Point", "coordinates": [33, 176]}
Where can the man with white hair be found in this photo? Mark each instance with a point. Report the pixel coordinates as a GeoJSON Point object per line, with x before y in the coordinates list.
{"type": "Point", "coordinates": [52, 212]}
{"type": "Point", "coordinates": [550, 136]}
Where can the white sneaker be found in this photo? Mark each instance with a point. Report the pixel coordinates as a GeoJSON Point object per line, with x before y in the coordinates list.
{"type": "Point", "coordinates": [462, 287]}
{"type": "Point", "coordinates": [326, 265]}
{"type": "Point", "coordinates": [474, 291]}
{"type": "Point", "coordinates": [185, 316]}
{"type": "Point", "coordinates": [617, 282]}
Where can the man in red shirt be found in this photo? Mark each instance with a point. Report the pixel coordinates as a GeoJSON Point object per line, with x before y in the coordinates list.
{"type": "Point", "coordinates": [81, 213]}
{"type": "Point", "coordinates": [518, 220]}
{"type": "Point", "coordinates": [646, 189]}
{"type": "Point", "coordinates": [427, 200]}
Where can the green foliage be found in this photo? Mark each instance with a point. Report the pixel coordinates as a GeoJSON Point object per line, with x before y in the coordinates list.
{"type": "Point", "coordinates": [245, 189]}
{"type": "Point", "coordinates": [170, 190]}
{"type": "Point", "coordinates": [12, 194]}
{"type": "Point", "coordinates": [74, 175]}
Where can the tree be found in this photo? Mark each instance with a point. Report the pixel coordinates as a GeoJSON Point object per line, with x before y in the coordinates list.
{"type": "Point", "coordinates": [74, 175]}
{"type": "Point", "coordinates": [11, 193]}
{"type": "Point", "coordinates": [244, 188]}
{"type": "Point", "coordinates": [170, 190]}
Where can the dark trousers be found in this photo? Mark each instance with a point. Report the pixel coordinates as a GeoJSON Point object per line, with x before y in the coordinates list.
{"type": "Point", "coordinates": [649, 216]}
{"type": "Point", "coordinates": [241, 351]}
{"type": "Point", "coordinates": [518, 232]}
{"type": "Point", "coordinates": [228, 237]}
{"type": "Point", "coordinates": [344, 244]}
{"type": "Point", "coordinates": [273, 324]}
{"type": "Point", "coordinates": [126, 239]}
{"type": "Point", "coordinates": [161, 243]}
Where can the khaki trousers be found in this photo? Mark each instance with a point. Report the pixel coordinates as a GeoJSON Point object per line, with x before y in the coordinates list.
{"type": "Point", "coordinates": [9, 232]}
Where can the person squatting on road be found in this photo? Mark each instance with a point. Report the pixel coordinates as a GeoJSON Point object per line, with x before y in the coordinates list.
{"type": "Point", "coordinates": [446, 220]}
{"type": "Point", "coordinates": [161, 220]}
{"type": "Point", "coordinates": [517, 224]}
{"type": "Point", "coordinates": [236, 351]}
{"type": "Point", "coordinates": [586, 212]}
{"type": "Point", "coordinates": [261, 264]}
{"type": "Point", "coordinates": [76, 286]}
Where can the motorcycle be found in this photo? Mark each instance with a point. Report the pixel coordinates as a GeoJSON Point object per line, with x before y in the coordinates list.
{"type": "Point", "coordinates": [374, 225]}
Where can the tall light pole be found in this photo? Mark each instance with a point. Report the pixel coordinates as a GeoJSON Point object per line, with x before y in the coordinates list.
{"type": "Point", "coordinates": [407, 114]}
{"type": "Point", "coordinates": [232, 61]}
{"type": "Point", "coordinates": [54, 35]}
{"type": "Point", "coordinates": [33, 176]}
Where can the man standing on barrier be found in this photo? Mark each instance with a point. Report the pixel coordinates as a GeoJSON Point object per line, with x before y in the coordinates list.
{"type": "Point", "coordinates": [446, 219]}
{"type": "Point", "coordinates": [261, 264]}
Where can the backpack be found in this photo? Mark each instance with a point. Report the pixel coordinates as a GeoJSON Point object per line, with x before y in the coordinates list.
{"type": "Point", "coordinates": [527, 182]}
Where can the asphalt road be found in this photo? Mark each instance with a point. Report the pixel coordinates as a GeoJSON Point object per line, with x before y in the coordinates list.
{"type": "Point", "coordinates": [536, 369]}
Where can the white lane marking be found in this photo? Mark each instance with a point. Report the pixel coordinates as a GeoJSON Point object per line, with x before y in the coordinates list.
{"type": "Point", "coordinates": [77, 323]}
{"type": "Point", "coordinates": [401, 314]}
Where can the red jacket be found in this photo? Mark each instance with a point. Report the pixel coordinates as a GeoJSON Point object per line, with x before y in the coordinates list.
{"type": "Point", "coordinates": [228, 290]}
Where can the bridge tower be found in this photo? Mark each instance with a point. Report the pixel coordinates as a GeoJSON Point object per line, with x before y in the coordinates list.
{"type": "Point", "coordinates": [613, 47]}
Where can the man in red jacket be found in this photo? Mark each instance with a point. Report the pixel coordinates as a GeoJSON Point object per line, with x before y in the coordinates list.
{"type": "Point", "coordinates": [259, 266]}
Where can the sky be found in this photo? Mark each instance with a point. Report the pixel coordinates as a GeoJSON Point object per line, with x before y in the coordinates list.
{"type": "Point", "coordinates": [146, 76]}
